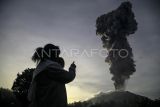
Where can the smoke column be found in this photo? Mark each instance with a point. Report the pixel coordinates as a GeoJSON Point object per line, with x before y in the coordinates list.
{"type": "Point", "coordinates": [114, 28]}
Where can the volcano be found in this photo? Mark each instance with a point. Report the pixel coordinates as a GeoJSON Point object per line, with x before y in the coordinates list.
{"type": "Point", "coordinates": [120, 98]}
{"type": "Point", "coordinates": [116, 99]}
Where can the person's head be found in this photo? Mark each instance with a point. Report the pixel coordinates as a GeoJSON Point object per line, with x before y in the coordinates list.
{"type": "Point", "coordinates": [49, 51]}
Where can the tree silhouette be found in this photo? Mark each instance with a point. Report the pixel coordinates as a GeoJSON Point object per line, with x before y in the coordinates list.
{"type": "Point", "coordinates": [8, 99]}
{"type": "Point", "coordinates": [21, 85]}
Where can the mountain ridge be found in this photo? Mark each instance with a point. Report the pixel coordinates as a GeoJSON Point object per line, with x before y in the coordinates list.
{"type": "Point", "coordinates": [117, 99]}
{"type": "Point", "coordinates": [118, 96]}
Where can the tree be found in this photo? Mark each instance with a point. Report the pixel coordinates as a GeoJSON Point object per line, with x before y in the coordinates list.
{"type": "Point", "coordinates": [21, 85]}
{"type": "Point", "coordinates": [8, 99]}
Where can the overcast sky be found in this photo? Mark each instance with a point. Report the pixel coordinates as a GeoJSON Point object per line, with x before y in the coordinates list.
{"type": "Point", "coordinates": [70, 24]}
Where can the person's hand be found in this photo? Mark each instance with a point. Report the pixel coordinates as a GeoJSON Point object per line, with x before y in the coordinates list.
{"type": "Point", "coordinates": [73, 66]}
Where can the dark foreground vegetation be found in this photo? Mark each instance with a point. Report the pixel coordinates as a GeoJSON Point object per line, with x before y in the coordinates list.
{"type": "Point", "coordinates": [17, 96]}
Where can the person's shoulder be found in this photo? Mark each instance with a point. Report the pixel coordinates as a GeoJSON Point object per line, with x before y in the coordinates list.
{"type": "Point", "coordinates": [53, 64]}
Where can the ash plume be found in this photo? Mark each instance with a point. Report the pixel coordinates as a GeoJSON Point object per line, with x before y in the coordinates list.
{"type": "Point", "coordinates": [114, 28]}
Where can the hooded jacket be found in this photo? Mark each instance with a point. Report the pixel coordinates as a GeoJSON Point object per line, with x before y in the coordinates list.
{"type": "Point", "coordinates": [47, 88]}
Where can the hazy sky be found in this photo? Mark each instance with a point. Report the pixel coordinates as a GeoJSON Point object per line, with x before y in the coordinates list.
{"type": "Point", "coordinates": [28, 24]}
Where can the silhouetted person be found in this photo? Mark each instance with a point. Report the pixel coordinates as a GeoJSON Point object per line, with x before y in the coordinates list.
{"type": "Point", "coordinates": [49, 78]}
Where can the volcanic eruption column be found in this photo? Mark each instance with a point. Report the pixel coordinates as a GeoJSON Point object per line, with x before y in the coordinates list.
{"type": "Point", "coordinates": [114, 28]}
